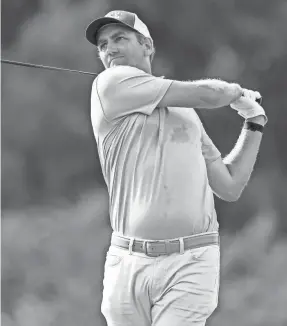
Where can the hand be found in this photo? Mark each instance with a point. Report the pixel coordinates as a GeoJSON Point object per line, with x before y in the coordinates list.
{"type": "Point", "coordinates": [247, 107]}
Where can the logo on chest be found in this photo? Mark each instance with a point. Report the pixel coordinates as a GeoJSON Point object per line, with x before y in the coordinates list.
{"type": "Point", "coordinates": [181, 134]}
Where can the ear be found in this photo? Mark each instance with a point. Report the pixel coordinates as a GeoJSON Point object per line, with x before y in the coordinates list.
{"type": "Point", "coordinates": [148, 47]}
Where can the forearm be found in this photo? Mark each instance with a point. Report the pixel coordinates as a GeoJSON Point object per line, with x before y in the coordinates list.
{"type": "Point", "coordinates": [207, 94]}
{"type": "Point", "coordinates": [241, 160]}
{"type": "Point", "coordinates": [215, 93]}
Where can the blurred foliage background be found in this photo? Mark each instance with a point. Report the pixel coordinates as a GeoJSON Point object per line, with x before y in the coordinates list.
{"type": "Point", "coordinates": [55, 223]}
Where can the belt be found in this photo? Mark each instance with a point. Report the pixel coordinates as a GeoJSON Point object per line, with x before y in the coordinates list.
{"type": "Point", "coordinates": [156, 248]}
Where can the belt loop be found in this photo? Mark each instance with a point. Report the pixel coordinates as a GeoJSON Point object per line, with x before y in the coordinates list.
{"type": "Point", "coordinates": [145, 248]}
{"type": "Point", "coordinates": [181, 246]}
{"type": "Point", "coordinates": [131, 243]}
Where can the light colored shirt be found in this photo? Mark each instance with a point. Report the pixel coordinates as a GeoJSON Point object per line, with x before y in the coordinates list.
{"type": "Point", "coordinates": [153, 159]}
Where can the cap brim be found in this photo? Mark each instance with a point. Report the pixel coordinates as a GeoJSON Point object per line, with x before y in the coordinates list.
{"type": "Point", "coordinates": [96, 25]}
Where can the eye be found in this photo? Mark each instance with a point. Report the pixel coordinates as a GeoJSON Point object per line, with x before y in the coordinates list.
{"type": "Point", "coordinates": [119, 38]}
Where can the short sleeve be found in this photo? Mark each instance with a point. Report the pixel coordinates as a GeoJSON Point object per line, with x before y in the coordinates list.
{"type": "Point", "coordinates": [124, 90]}
{"type": "Point", "coordinates": [209, 151]}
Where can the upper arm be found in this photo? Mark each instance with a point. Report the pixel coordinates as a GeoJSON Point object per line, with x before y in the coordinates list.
{"type": "Point", "coordinates": [219, 177]}
{"type": "Point", "coordinates": [125, 90]}
{"type": "Point", "coordinates": [220, 180]}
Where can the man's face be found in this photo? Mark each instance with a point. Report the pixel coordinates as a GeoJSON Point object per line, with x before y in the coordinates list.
{"type": "Point", "coordinates": [118, 45]}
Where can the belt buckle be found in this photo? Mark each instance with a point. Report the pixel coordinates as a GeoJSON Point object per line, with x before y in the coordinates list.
{"type": "Point", "coordinates": [145, 248]}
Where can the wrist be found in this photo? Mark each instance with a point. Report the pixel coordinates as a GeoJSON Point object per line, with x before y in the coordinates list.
{"type": "Point", "coordinates": [260, 119]}
{"type": "Point", "coordinates": [252, 126]}
{"type": "Point", "coordinates": [237, 92]}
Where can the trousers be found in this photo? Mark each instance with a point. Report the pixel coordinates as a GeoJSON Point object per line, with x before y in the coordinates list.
{"type": "Point", "coordinates": [171, 290]}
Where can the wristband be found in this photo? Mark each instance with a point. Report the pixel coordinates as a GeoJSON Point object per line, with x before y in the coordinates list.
{"type": "Point", "coordinates": [253, 126]}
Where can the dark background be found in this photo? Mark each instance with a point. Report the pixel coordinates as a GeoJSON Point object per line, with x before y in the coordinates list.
{"type": "Point", "coordinates": [55, 223]}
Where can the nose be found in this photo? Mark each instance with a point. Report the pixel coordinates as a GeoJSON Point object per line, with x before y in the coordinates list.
{"type": "Point", "coordinates": [111, 48]}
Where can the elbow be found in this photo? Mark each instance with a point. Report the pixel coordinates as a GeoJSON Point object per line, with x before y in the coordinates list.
{"type": "Point", "coordinates": [233, 194]}
{"type": "Point", "coordinates": [228, 196]}
{"type": "Point", "coordinates": [231, 198]}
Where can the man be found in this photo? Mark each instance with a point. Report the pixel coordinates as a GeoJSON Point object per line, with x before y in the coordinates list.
{"type": "Point", "coordinates": [161, 170]}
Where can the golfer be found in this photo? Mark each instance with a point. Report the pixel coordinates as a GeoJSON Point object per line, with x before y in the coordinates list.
{"type": "Point", "coordinates": [161, 170]}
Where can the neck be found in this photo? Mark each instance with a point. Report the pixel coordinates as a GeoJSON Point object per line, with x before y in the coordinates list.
{"type": "Point", "coordinates": [144, 67]}
{"type": "Point", "coordinates": [147, 68]}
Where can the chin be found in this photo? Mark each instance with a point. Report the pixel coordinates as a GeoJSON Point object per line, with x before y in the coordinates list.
{"type": "Point", "coordinates": [119, 62]}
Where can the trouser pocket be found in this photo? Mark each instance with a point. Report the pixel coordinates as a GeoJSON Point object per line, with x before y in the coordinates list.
{"type": "Point", "coordinates": [115, 283]}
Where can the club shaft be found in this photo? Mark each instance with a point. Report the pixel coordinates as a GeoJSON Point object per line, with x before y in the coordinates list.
{"type": "Point", "coordinates": [32, 65]}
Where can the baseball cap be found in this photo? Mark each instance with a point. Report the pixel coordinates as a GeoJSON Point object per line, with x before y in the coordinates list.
{"type": "Point", "coordinates": [125, 18]}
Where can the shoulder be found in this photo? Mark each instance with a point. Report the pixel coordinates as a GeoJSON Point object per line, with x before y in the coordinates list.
{"type": "Point", "coordinates": [115, 75]}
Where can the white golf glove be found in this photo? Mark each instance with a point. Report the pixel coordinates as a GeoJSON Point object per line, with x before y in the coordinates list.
{"type": "Point", "coordinates": [246, 105]}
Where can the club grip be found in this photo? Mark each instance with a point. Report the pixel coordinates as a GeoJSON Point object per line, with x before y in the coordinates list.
{"type": "Point", "coordinates": [259, 100]}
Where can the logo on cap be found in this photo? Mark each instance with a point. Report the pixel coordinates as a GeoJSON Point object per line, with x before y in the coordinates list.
{"type": "Point", "coordinates": [115, 14]}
